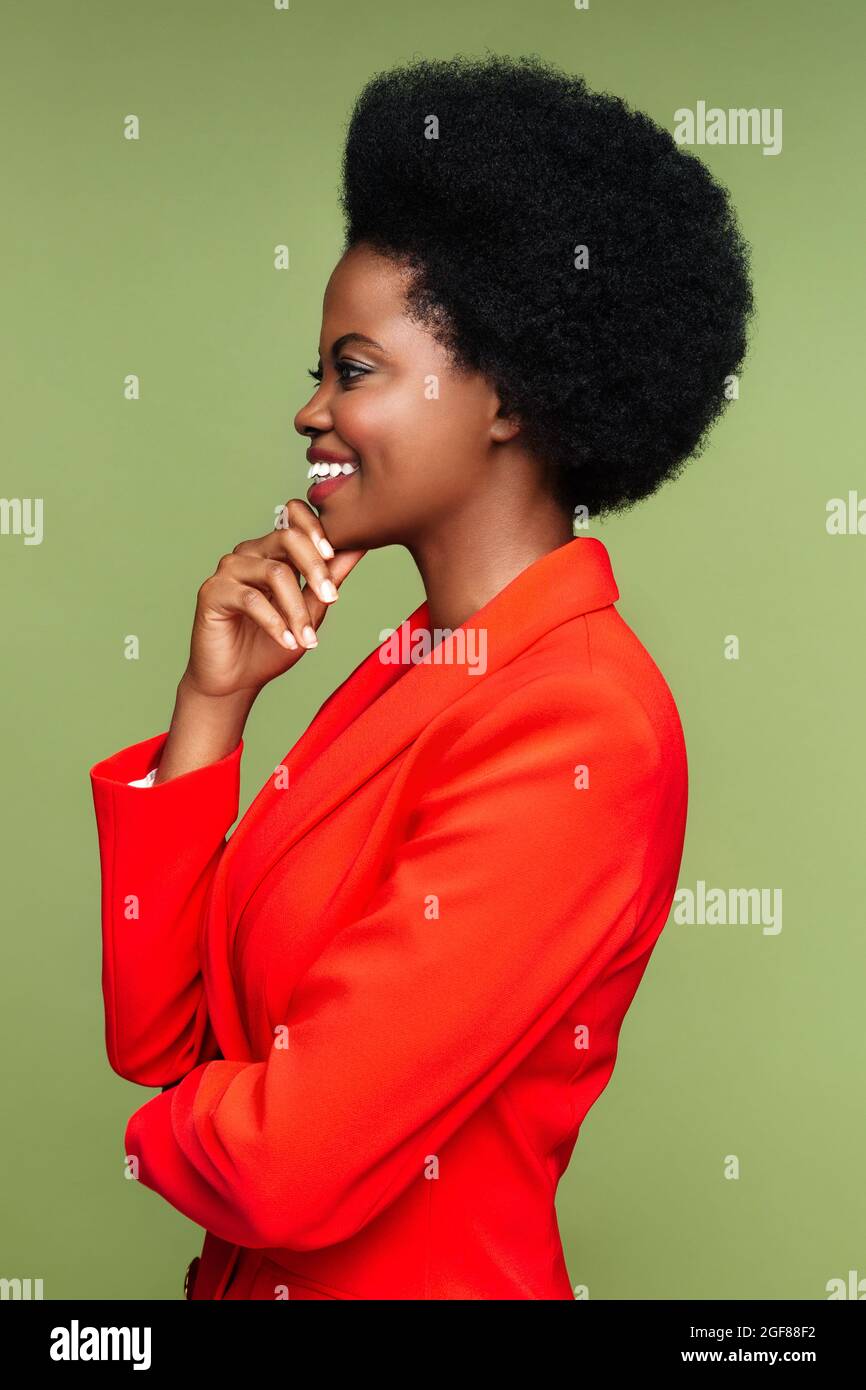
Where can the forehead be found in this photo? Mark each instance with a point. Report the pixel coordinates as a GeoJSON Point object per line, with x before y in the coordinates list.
{"type": "Point", "coordinates": [365, 294]}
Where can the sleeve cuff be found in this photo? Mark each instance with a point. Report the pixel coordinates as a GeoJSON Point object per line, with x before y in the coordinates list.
{"type": "Point", "coordinates": [208, 793]}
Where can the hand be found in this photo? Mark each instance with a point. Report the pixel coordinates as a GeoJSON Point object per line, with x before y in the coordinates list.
{"type": "Point", "coordinates": [253, 597]}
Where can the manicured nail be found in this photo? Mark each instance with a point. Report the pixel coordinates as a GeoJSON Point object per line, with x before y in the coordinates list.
{"type": "Point", "coordinates": [309, 636]}
{"type": "Point", "coordinates": [290, 640]}
{"type": "Point", "coordinates": [329, 590]}
{"type": "Point", "coordinates": [325, 547]}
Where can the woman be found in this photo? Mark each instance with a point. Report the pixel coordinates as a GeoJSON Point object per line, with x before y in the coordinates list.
{"type": "Point", "coordinates": [381, 1009]}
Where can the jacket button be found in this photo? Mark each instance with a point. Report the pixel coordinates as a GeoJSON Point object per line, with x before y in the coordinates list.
{"type": "Point", "coordinates": [189, 1278]}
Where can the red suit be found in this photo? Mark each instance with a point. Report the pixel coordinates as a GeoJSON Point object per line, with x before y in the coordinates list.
{"type": "Point", "coordinates": [391, 996]}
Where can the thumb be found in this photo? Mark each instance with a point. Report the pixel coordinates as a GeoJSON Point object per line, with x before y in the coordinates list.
{"type": "Point", "coordinates": [343, 563]}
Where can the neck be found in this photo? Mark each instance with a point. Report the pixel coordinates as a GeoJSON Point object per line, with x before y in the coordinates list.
{"type": "Point", "coordinates": [466, 559]}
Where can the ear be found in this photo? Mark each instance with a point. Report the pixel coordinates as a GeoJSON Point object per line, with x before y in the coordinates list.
{"type": "Point", "coordinates": [504, 425]}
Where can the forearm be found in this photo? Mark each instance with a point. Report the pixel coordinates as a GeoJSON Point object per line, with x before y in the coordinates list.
{"type": "Point", "coordinates": [159, 851]}
{"type": "Point", "coordinates": [204, 728]}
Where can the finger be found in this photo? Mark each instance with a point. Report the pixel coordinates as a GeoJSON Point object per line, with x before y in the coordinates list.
{"type": "Point", "coordinates": [253, 604]}
{"type": "Point", "coordinates": [300, 536]}
{"type": "Point", "coordinates": [343, 563]}
{"type": "Point", "coordinates": [227, 592]}
{"type": "Point", "coordinates": [298, 540]}
{"type": "Point", "coordinates": [295, 516]}
{"type": "Point", "coordinates": [292, 600]}
{"type": "Point", "coordinates": [279, 584]}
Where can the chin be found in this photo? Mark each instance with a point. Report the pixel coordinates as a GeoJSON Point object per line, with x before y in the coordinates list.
{"type": "Point", "coordinates": [362, 523]}
{"type": "Point", "coordinates": [347, 530]}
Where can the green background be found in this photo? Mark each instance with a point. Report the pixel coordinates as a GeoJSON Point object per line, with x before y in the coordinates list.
{"type": "Point", "coordinates": [155, 257]}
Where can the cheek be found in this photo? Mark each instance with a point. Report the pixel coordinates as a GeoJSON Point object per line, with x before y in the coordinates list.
{"type": "Point", "coordinates": [401, 422]}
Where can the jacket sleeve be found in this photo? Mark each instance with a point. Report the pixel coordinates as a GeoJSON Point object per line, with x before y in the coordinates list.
{"type": "Point", "coordinates": [513, 889]}
{"type": "Point", "coordinates": [158, 855]}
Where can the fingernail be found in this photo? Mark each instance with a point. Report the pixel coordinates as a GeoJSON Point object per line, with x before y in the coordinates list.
{"type": "Point", "coordinates": [309, 636]}
{"type": "Point", "coordinates": [329, 589]}
{"type": "Point", "coordinates": [325, 547]}
{"type": "Point", "coordinates": [290, 640]}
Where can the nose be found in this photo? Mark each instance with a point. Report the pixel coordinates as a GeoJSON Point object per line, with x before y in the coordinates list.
{"type": "Point", "coordinates": [315, 417]}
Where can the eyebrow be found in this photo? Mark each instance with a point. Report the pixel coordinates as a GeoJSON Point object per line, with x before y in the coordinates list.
{"type": "Point", "coordinates": [339, 343]}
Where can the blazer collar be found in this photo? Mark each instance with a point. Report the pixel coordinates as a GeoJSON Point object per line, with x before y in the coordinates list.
{"type": "Point", "coordinates": [382, 706]}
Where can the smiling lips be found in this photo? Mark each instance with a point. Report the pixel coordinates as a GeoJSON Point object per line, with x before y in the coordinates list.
{"type": "Point", "coordinates": [324, 469]}
{"type": "Point", "coordinates": [329, 475]}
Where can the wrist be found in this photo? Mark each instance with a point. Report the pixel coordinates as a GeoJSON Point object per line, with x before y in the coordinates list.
{"type": "Point", "coordinates": [222, 706]}
{"type": "Point", "coordinates": [204, 729]}
{"type": "Point", "coordinates": [219, 719]}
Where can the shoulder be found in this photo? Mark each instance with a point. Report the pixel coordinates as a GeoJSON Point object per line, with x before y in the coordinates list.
{"type": "Point", "coordinates": [588, 684]}
{"type": "Point", "coordinates": [528, 730]}
{"type": "Point", "coordinates": [562, 706]}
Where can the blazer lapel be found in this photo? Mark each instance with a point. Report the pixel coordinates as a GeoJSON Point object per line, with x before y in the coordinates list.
{"type": "Point", "coordinates": [383, 706]}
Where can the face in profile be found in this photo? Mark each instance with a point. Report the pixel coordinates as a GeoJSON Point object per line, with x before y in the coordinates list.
{"type": "Point", "coordinates": [425, 435]}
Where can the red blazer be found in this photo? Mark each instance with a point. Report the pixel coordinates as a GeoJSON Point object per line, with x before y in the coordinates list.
{"type": "Point", "coordinates": [393, 994]}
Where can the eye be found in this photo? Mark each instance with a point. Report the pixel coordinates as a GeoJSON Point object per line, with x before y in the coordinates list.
{"type": "Point", "coordinates": [342, 365]}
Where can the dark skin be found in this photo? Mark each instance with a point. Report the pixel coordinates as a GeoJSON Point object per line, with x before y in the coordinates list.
{"type": "Point", "coordinates": [448, 478]}
{"type": "Point", "coordinates": [443, 472]}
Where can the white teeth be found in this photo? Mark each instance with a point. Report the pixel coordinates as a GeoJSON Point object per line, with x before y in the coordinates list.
{"type": "Point", "coordinates": [330, 470]}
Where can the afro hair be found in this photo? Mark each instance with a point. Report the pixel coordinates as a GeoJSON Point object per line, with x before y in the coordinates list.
{"type": "Point", "coordinates": [486, 176]}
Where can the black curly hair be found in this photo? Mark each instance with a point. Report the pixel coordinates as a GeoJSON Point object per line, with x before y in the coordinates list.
{"type": "Point", "coordinates": [616, 372]}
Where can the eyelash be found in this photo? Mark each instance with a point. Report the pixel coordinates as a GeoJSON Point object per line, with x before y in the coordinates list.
{"type": "Point", "coordinates": [352, 366]}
